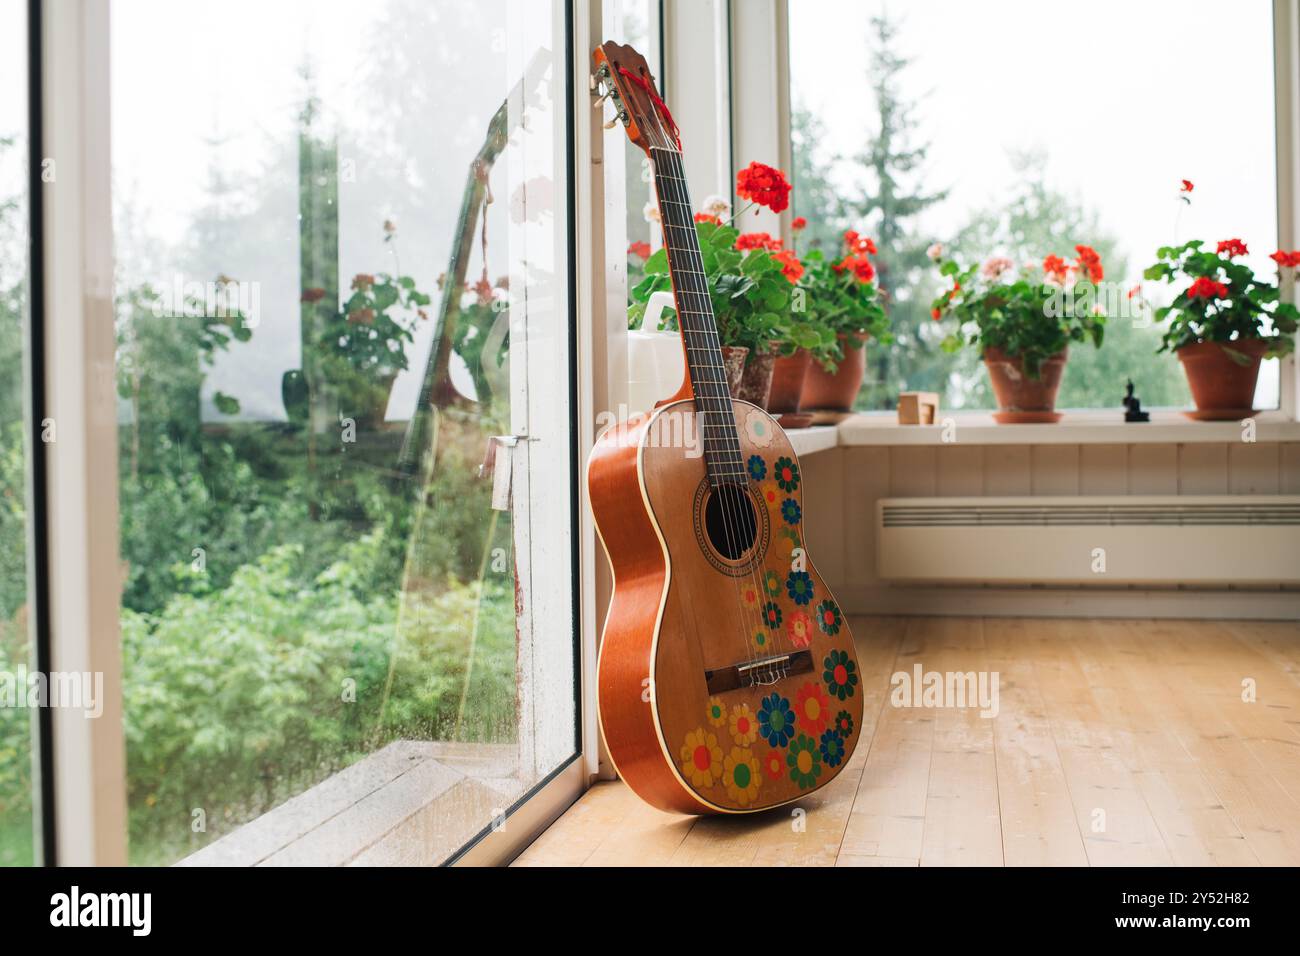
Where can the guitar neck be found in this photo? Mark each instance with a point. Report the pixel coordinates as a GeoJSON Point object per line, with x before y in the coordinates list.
{"type": "Point", "coordinates": [695, 319]}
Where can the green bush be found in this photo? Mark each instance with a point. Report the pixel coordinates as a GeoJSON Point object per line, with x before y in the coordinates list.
{"type": "Point", "coordinates": [237, 699]}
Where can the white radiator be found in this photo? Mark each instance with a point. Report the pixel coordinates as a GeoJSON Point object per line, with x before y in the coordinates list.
{"type": "Point", "coordinates": [1158, 539]}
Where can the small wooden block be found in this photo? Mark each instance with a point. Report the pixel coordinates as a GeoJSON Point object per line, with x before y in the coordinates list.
{"type": "Point", "coordinates": [918, 408]}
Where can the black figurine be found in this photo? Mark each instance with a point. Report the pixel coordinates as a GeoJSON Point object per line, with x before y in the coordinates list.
{"type": "Point", "coordinates": [1133, 406]}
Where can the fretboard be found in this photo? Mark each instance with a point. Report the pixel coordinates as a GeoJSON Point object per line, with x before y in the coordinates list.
{"type": "Point", "coordinates": [714, 416]}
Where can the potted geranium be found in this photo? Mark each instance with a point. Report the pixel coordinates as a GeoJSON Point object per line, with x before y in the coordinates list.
{"type": "Point", "coordinates": [1022, 320]}
{"type": "Point", "coordinates": [363, 345]}
{"type": "Point", "coordinates": [750, 279]}
{"type": "Point", "coordinates": [843, 298]}
{"type": "Point", "coordinates": [1223, 322]}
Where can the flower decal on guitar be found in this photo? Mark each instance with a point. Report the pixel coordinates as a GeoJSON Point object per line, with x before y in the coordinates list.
{"type": "Point", "coordinates": [701, 758]}
{"type": "Point", "coordinates": [740, 775]}
{"type": "Point", "coordinates": [772, 615]}
{"type": "Point", "coordinates": [743, 724]}
{"type": "Point", "coordinates": [800, 587]}
{"type": "Point", "coordinates": [749, 593]}
{"type": "Point", "coordinates": [786, 473]}
{"type": "Point", "coordinates": [805, 762]}
{"type": "Point", "coordinates": [776, 720]}
{"type": "Point", "coordinates": [774, 765]}
{"type": "Point", "coordinates": [756, 467]}
{"type": "Point", "coordinates": [813, 708]}
{"type": "Point", "coordinates": [832, 748]}
{"type": "Point", "coordinates": [791, 511]}
{"type": "Point", "coordinates": [717, 712]}
{"type": "Point", "coordinates": [772, 583]}
{"type": "Point", "coordinates": [761, 641]}
{"type": "Point", "coordinates": [758, 430]}
{"type": "Point", "coordinates": [844, 724]}
{"type": "Point", "coordinates": [799, 629]}
{"type": "Point", "coordinates": [839, 674]}
{"type": "Point", "coordinates": [829, 618]}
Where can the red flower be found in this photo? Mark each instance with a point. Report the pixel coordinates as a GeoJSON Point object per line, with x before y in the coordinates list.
{"type": "Point", "coordinates": [1233, 247]}
{"type": "Point", "coordinates": [861, 266]}
{"type": "Point", "coordinates": [640, 249]}
{"type": "Point", "coordinates": [1286, 260]}
{"type": "Point", "coordinates": [1055, 266]}
{"type": "Point", "coordinates": [792, 268]}
{"type": "Point", "coordinates": [1187, 186]}
{"type": "Point", "coordinates": [706, 217]}
{"type": "Point", "coordinates": [774, 765]}
{"type": "Point", "coordinates": [799, 224]}
{"type": "Point", "coordinates": [858, 243]}
{"type": "Point", "coordinates": [362, 281]}
{"type": "Point", "coordinates": [764, 185]}
{"type": "Point", "coordinates": [812, 709]}
{"type": "Point", "coordinates": [757, 240]}
{"type": "Point", "coordinates": [936, 314]}
{"type": "Point", "coordinates": [313, 295]}
{"type": "Point", "coordinates": [1090, 263]}
{"type": "Point", "coordinates": [1207, 288]}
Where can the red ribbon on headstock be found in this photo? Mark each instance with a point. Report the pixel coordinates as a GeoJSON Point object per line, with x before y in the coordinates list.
{"type": "Point", "coordinates": [659, 104]}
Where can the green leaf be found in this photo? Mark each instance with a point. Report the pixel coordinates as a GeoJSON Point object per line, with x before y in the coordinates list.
{"type": "Point", "coordinates": [226, 404]}
{"type": "Point", "coordinates": [657, 264]}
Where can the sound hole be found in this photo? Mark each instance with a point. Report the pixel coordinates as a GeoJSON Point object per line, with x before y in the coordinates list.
{"type": "Point", "coordinates": [730, 522]}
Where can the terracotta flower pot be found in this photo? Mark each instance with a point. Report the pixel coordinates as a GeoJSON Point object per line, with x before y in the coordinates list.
{"type": "Point", "coordinates": [1021, 399]}
{"type": "Point", "coordinates": [733, 358]}
{"type": "Point", "coordinates": [756, 380]}
{"type": "Point", "coordinates": [836, 391]}
{"type": "Point", "coordinates": [1223, 389]}
{"type": "Point", "coordinates": [372, 400]}
{"type": "Point", "coordinates": [787, 382]}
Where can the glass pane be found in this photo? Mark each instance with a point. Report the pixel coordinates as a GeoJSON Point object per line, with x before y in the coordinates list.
{"type": "Point", "coordinates": [990, 147]}
{"type": "Point", "coordinates": [16, 726]}
{"type": "Point", "coordinates": [347, 632]}
{"type": "Point", "coordinates": [635, 23]}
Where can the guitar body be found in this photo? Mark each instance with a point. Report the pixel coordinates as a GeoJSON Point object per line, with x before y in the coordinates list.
{"type": "Point", "coordinates": [728, 679]}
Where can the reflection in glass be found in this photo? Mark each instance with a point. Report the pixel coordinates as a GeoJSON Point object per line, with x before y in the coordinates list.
{"type": "Point", "coordinates": [339, 283]}
{"type": "Point", "coordinates": [16, 725]}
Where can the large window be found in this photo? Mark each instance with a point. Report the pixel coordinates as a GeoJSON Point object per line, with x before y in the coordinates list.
{"type": "Point", "coordinates": [17, 845]}
{"type": "Point", "coordinates": [343, 367]}
{"type": "Point", "coordinates": [1020, 129]}
{"type": "Point", "coordinates": [636, 23]}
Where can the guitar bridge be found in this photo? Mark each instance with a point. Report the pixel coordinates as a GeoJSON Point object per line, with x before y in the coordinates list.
{"type": "Point", "coordinates": [758, 673]}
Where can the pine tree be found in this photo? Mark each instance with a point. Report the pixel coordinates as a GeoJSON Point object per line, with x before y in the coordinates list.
{"type": "Point", "coordinates": [892, 198]}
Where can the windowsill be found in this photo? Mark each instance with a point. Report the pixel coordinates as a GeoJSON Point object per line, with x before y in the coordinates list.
{"type": "Point", "coordinates": [413, 803]}
{"type": "Point", "coordinates": [1076, 428]}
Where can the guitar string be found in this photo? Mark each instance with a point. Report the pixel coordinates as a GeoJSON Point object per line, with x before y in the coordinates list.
{"type": "Point", "coordinates": [779, 636]}
{"type": "Point", "coordinates": [683, 284]}
{"type": "Point", "coordinates": [758, 579]}
{"type": "Point", "coordinates": [732, 508]}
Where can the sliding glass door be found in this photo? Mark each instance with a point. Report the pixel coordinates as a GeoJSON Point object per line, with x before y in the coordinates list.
{"type": "Point", "coordinates": [342, 369]}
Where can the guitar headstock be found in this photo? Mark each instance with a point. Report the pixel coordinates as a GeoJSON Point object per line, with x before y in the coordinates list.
{"type": "Point", "coordinates": [623, 76]}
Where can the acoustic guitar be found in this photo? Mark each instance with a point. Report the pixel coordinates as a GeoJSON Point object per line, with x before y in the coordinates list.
{"type": "Point", "coordinates": [728, 680]}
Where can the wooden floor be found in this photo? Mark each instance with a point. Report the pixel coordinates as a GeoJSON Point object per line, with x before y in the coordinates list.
{"type": "Point", "coordinates": [1117, 743]}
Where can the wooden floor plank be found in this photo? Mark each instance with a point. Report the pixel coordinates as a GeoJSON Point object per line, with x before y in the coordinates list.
{"type": "Point", "coordinates": [962, 818]}
{"type": "Point", "coordinates": [1038, 822]}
